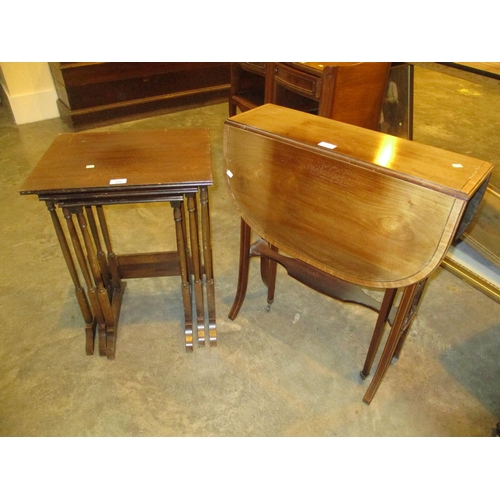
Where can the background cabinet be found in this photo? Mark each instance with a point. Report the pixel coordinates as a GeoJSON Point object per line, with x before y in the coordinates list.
{"type": "Point", "coordinates": [94, 94]}
{"type": "Point", "coordinates": [348, 92]}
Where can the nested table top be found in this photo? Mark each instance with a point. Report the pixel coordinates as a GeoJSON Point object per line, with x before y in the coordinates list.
{"type": "Point", "coordinates": [120, 161]}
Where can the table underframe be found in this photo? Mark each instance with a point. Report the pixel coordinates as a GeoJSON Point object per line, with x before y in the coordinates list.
{"type": "Point", "coordinates": [92, 261]}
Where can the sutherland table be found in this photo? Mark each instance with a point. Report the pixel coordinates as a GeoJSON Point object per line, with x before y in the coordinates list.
{"type": "Point", "coordinates": [348, 206]}
{"type": "Point", "coordinates": [81, 172]}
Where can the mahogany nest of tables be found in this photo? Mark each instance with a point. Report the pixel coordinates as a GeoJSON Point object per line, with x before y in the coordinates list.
{"type": "Point", "coordinates": [82, 172]}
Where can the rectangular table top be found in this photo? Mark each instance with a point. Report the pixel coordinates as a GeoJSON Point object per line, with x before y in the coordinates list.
{"type": "Point", "coordinates": [121, 161]}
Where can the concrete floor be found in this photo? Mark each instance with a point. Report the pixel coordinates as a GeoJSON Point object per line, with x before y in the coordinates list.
{"type": "Point", "coordinates": [290, 372]}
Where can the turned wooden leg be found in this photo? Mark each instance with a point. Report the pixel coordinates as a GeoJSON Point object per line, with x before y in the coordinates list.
{"type": "Point", "coordinates": [411, 315]}
{"type": "Point", "coordinates": [81, 297]}
{"type": "Point", "coordinates": [185, 232]}
{"type": "Point", "coordinates": [102, 295]}
{"type": "Point", "coordinates": [91, 289]}
{"type": "Point", "coordinates": [196, 261]}
{"type": "Point", "coordinates": [112, 259]}
{"type": "Point", "coordinates": [180, 229]}
{"type": "Point", "coordinates": [382, 318]}
{"type": "Point", "coordinates": [244, 268]}
{"type": "Point", "coordinates": [101, 256]}
{"type": "Point", "coordinates": [208, 265]}
{"type": "Point", "coordinates": [392, 341]}
{"type": "Point", "coordinates": [116, 288]}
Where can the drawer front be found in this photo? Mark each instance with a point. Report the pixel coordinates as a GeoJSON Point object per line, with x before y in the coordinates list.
{"type": "Point", "coordinates": [254, 67]}
{"type": "Point", "coordinates": [301, 83]}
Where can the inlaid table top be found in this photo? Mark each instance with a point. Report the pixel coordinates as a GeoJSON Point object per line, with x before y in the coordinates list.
{"type": "Point", "coordinates": [444, 171]}
{"type": "Point", "coordinates": [368, 208]}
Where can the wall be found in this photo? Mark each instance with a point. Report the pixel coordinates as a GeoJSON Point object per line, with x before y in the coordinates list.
{"type": "Point", "coordinates": [30, 91]}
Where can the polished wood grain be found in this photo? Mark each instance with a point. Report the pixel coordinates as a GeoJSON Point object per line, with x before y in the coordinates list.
{"type": "Point", "coordinates": [82, 172]}
{"type": "Point", "coordinates": [350, 92]}
{"type": "Point", "coordinates": [251, 85]}
{"type": "Point", "coordinates": [92, 94]}
{"type": "Point", "coordinates": [349, 203]}
{"type": "Point", "coordinates": [143, 158]}
{"type": "Point", "coordinates": [370, 211]}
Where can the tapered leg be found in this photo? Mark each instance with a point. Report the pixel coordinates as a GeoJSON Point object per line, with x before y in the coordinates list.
{"type": "Point", "coordinates": [268, 269]}
{"type": "Point", "coordinates": [409, 319]}
{"type": "Point", "coordinates": [383, 315]}
{"type": "Point", "coordinates": [244, 268]}
{"type": "Point", "coordinates": [392, 341]}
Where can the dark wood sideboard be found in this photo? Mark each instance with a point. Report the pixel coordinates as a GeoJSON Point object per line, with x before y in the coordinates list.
{"type": "Point", "coordinates": [92, 94]}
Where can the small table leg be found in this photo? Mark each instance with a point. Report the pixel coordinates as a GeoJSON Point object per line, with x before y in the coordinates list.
{"type": "Point", "coordinates": [195, 257]}
{"type": "Point", "coordinates": [101, 292]}
{"type": "Point", "coordinates": [185, 286]}
{"type": "Point", "coordinates": [409, 318]}
{"type": "Point", "coordinates": [112, 332]}
{"type": "Point", "coordinates": [112, 259]}
{"type": "Point", "coordinates": [268, 268]}
{"type": "Point", "coordinates": [409, 301]}
{"type": "Point", "coordinates": [208, 265]}
{"type": "Point", "coordinates": [92, 291]}
{"type": "Point", "coordinates": [90, 323]}
{"type": "Point", "coordinates": [383, 315]}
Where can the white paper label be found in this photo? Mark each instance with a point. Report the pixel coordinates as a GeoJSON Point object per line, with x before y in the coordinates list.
{"type": "Point", "coordinates": [118, 181]}
{"type": "Point", "coordinates": [327, 145]}
{"type": "Point", "coordinates": [90, 166]}
{"type": "Point", "coordinates": [457, 165]}
{"type": "Point", "coordinates": [229, 173]}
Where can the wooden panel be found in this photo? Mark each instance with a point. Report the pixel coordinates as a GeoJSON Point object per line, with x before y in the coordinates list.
{"type": "Point", "coordinates": [173, 157]}
{"type": "Point", "coordinates": [344, 219]}
{"type": "Point", "coordinates": [140, 108]}
{"type": "Point", "coordinates": [298, 81]}
{"type": "Point", "coordinates": [92, 94]}
{"type": "Point", "coordinates": [251, 85]}
{"type": "Point", "coordinates": [393, 156]}
{"type": "Point", "coordinates": [350, 92]}
{"type": "Point", "coordinates": [369, 208]}
{"type": "Point", "coordinates": [124, 86]}
{"type": "Point", "coordinates": [148, 265]}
